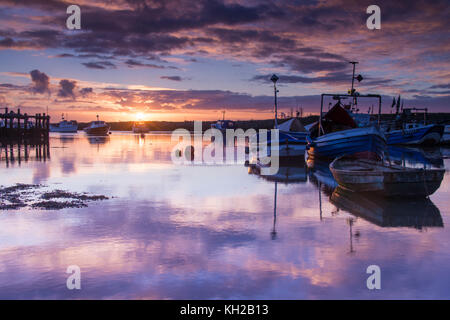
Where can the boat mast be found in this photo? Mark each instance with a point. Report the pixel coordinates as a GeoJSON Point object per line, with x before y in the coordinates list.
{"type": "Point", "coordinates": [274, 79]}
{"type": "Point", "coordinates": [359, 78]}
{"type": "Point", "coordinates": [354, 63]}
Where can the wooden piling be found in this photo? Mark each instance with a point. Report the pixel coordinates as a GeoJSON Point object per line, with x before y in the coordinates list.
{"type": "Point", "coordinates": [15, 126]}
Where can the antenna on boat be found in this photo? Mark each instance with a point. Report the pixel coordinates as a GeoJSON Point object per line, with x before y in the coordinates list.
{"type": "Point", "coordinates": [274, 79]}
{"type": "Point", "coordinates": [223, 112]}
{"type": "Point", "coordinates": [358, 77]}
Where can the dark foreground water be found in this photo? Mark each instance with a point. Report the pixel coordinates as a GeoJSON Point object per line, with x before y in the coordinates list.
{"type": "Point", "coordinates": [210, 232]}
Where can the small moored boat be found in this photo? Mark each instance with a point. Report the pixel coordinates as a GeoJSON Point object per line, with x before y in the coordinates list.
{"type": "Point", "coordinates": [99, 128]}
{"type": "Point", "coordinates": [389, 180]}
{"type": "Point", "coordinates": [65, 126]}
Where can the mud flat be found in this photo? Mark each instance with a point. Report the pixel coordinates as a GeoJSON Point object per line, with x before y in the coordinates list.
{"type": "Point", "coordinates": [32, 196]}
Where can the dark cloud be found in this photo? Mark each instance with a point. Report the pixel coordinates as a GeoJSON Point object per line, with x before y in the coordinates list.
{"type": "Point", "coordinates": [99, 65]}
{"type": "Point", "coordinates": [86, 91]}
{"type": "Point", "coordinates": [134, 63]}
{"type": "Point", "coordinates": [441, 86]}
{"type": "Point", "coordinates": [40, 81]}
{"type": "Point", "coordinates": [66, 89]}
{"type": "Point", "coordinates": [172, 78]}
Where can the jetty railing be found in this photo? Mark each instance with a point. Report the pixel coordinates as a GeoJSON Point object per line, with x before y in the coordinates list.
{"type": "Point", "coordinates": [18, 126]}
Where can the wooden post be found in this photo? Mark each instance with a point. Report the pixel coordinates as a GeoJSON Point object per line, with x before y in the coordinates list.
{"type": "Point", "coordinates": [18, 122]}
{"type": "Point", "coordinates": [11, 119]}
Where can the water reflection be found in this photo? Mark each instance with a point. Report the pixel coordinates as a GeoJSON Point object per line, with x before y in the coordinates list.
{"type": "Point", "coordinates": [12, 153]}
{"type": "Point", "coordinates": [204, 231]}
{"type": "Point", "coordinates": [98, 140]}
{"type": "Point", "coordinates": [385, 212]}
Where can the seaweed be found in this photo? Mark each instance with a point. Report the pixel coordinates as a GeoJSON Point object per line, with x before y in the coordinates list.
{"type": "Point", "coordinates": [31, 196]}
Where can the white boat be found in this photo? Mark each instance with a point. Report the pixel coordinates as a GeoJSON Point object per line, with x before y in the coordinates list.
{"type": "Point", "coordinates": [294, 128]}
{"type": "Point", "coordinates": [291, 144]}
{"type": "Point", "coordinates": [98, 128]}
{"type": "Point", "coordinates": [65, 126]}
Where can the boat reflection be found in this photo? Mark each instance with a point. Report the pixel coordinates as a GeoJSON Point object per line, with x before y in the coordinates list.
{"type": "Point", "coordinates": [273, 233]}
{"type": "Point", "coordinates": [98, 140]}
{"type": "Point", "coordinates": [320, 175]}
{"type": "Point", "coordinates": [291, 174]}
{"type": "Point", "coordinates": [383, 212]}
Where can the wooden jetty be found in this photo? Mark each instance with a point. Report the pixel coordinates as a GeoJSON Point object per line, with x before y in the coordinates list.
{"type": "Point", "coordinates": [19, 127]}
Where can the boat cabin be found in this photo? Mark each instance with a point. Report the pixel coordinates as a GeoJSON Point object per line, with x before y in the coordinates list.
{"type": "Point", "coordinates": [223, 125]}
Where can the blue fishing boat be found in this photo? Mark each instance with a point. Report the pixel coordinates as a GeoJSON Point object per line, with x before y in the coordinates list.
{"type": "Point", "coordinates": [337, 133]}
{"type": "Point", "coordinates": [365, 142]}
{"type": "Point", "coordinates": [407, 130]}
{"type": "Point", "coordinates": [416, 134]}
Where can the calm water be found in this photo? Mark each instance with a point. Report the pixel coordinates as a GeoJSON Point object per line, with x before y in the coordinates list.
{"type": "Point", "coordinates": [206, 232]}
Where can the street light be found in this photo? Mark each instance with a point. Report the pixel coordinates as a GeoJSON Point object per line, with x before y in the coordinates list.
{"type": "Point", "coordinates": [274, 79]}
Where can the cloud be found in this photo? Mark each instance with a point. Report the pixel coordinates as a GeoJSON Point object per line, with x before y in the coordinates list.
{"type": "Point", "coordinates": [134, 63]}
{"type": "Point", "coordinates": [66, 89]}
{"type": "Point", "coordinates": [86, 91]}
{"type": "Point", "coordinates": [172, 78]}
{"type": "Point", "coordinates": [40, 81]}
{"type": "Point", "coordinates": [310, 42]}
{"type": "Point", "coordinates": [99, 65]}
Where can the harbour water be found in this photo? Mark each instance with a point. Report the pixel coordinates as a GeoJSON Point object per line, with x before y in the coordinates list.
{"type": "Point", "coordinates": [213, 231]}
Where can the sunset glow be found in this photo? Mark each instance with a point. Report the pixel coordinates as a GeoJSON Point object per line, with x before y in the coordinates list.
{"type": "Point", "coordinates": [190, 62]}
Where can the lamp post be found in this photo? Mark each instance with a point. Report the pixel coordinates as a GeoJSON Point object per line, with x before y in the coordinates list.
{"type": "Point", "coordinates": [274, 79]}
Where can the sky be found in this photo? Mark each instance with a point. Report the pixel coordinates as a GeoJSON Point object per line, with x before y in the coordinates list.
{"type": "Point", "coordinates": [190, 60]}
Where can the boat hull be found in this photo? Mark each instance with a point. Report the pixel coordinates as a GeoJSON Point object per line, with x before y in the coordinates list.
{"type": "Point", "coordinates": [367, 142]}
{"type": "Point", "coordinates": [394, 181]}
{"type": "Point", "coordinates": [425, 135]}
{"type": "Point", "coordinates": [290, 149]}
{"type": "Point", "coordinates": [73, 129]}
{"type": "Point", "coordinates": [97, 131]}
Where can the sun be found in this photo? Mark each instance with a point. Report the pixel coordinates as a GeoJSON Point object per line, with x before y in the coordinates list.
{"type": "Point", "coordinates": [140, 116]}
